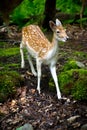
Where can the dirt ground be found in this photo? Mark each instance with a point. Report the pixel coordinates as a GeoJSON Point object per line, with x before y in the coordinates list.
{"type": "Point", "coordinates": [45, 111]}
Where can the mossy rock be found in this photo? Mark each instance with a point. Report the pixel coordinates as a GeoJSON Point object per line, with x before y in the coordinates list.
{"type": "Point", "coordinates": [73, 64]}
{"type": "Point", "coordinates": [9, 81]}
{"type": "Point", "coordinates": [72, 80]}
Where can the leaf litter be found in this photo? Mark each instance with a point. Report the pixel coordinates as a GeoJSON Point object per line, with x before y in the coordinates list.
{"type": "Point", "coordinates": [45, 111]}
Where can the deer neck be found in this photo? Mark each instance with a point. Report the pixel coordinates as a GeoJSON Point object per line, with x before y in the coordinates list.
{"type": "Point", "coordinates": [55, 41]}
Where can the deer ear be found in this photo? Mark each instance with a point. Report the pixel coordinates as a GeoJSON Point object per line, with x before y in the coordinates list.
{"type": "Point", "coordinates": [52, 25]}
{"type": "Point", "coordinates": [58, 23]}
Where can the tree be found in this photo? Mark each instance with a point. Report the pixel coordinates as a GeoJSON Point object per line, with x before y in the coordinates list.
{"type": "Point", "coordinates": [49, 12]}
{"type": "Point", "coordinates": [6, 8]}
{"type": "Point", "coordinates": [84, 5]}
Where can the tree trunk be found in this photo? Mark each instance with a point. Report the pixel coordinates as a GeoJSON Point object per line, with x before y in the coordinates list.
{"type": "Point", "coordinates": [84, 5]}
{"type": "Point", "coordinates": [50, 9]}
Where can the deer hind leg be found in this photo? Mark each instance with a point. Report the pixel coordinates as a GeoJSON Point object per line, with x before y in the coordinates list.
{"type": "Point", "coordinates": [54, 75]}
{"type": "Point", "coordinates": [38, 63]}
{"type": "Point", "coordinates": [31, 64]}
{"type": "Point", "coordinates": [22, 56]}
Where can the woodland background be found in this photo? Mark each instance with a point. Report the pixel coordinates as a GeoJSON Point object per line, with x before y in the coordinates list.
{"type": "Point", "coordinates": [36, 11]}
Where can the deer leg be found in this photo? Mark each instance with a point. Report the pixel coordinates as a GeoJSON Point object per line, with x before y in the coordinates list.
{"type": "Point", "coordinates": [31, 64]}
{"type": "Point", "coordinates": [22, 56]}
{"type": "Point", "coordinates": [54, 75]}
{"type": "Point", "coordinates": [38, 74]}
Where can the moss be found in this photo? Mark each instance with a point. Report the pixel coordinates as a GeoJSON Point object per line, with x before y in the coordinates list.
{"type": "Point", "coordinates": [79, 90]}
{"type": "Point", "coordinates": [51, 85]}
{"type": "Point", "coordinates": [2, 44]}
{"type": "Point", "coordinates": [71, 64]}
{"type": "Point", "coordinates": [9, 81]}
{"type": "Point", "coordinates": [9, 56]}
{"type": "Point", "coordinates": [9, 52]}
{"type": "Point", "coordinates": [65, 81]}
{"type": "Point", "coordinates": [80, 54]}
{"type": "Point", "coordinates": [12, 66]}
{"type": "Point", "coordinates": [73, 81]}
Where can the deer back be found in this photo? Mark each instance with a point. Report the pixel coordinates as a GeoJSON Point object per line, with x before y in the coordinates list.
{"type": "Point", "coordinates": [33, 37]}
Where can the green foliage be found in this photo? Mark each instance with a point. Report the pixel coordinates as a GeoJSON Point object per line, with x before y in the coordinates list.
{"type": "Point", "coordinates": [28, 9]}
{"type": "Point", "coordinates": [9, 80]}
{"type": "Point", "coordinates": [32, 11]}
{"type": "Point", "coordinates": [69, 6]}
{"type": "Point", "coordinates": [72, 7]}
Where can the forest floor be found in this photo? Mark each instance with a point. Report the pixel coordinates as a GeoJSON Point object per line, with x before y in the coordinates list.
{"type": "Point", "coordinates": [45, 111]}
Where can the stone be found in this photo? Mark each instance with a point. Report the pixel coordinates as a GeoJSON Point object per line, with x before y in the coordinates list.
{"type": "Point", "coordinates": [84, 127]}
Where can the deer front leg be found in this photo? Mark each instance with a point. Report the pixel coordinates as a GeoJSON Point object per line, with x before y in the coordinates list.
{"type": "Point", "coordinates": [54, 75]}
{"type": "Point", "coordinates": [38, 63]}
{"type": "Point", "coordinates": [22, 56]}
{"type": "Point", "coordinates": [31, 65]}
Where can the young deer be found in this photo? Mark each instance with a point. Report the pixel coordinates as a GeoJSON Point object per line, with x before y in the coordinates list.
{"type": "Point", "coordinates": [42, 50]}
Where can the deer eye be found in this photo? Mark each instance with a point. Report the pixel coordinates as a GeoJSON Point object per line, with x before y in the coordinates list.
{"type": "Point", "coordinates": [57, 31]}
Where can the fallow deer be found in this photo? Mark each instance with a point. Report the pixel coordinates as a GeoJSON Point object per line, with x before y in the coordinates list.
{"type": "Point", "coordinates": [44, 51]}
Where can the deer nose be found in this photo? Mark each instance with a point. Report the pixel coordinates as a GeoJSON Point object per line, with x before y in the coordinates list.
{"type": "Point", "coordinates": [67, 37]}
